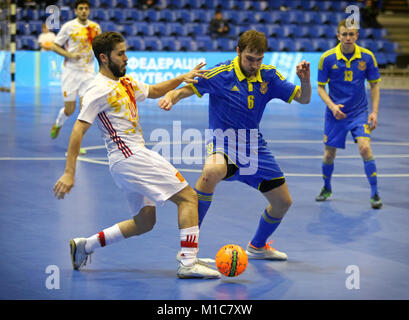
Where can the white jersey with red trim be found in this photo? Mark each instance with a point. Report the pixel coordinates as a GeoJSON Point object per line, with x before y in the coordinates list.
{"type": "Point", "coordinates": [114, 104]}
{"type": "Point", "coordinates": [77, 38]}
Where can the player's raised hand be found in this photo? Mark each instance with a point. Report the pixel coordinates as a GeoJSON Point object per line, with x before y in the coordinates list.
{"type": "Point", "coordinates": [195, 72]}
{"type": "Point", "coordinates": [336, 111]}
{"type": "Point", "coordinates": [303, 70]}
{"type": "Point", "coordinates": [63, 185]}
{"type": "Point", "coordinates": [166, 103]}
{"type": "Point", "coordinates": [373, 120]}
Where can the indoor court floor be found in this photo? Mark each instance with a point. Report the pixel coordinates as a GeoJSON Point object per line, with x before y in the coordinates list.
{"type": "Point", "coordinates": [339, 249]}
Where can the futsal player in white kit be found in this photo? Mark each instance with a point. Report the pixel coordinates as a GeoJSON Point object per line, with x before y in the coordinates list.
{"type": "Point", "coordinates": [145, 176]}
{"type": "Point", "coordinates": [74, 42]}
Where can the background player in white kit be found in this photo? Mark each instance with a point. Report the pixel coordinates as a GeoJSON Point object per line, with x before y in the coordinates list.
{"type": "Point", "coordinates": [74, 42]}
{"type": "Point", "coordinates": [145, 176]}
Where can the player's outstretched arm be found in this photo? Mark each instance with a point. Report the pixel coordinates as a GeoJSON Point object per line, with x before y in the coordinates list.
{"type": "Point", "coordinates": [303, 95]}
{"type": "Point", "coordinates": [160, 89]}
{"type": "Point", "coordinates": [62, 52]}
{"type": "Point", "coordinates": [373, 116]}
{"type": "Point", "coordinates": [66, 182]}
{"type": "Point", "coordinates": [335, 108]}
{"type": "Point", "coordinates": [172, 97]}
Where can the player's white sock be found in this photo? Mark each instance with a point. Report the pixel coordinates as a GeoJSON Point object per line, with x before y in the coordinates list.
{"type": "Point", "coordinates": [105, 237]}
{"type": "Point", "coordinates": [189, 239]}
{"type": "Point", "coordinates": [61, 118]}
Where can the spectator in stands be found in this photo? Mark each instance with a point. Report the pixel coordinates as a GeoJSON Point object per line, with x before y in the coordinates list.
{"type": "Point", "coordinates": [219, 27]}
{"type": "Point", "coordinates": [46, 38]}
{"type": "Point", "coordinates": [149, 4]}
{"type": "Point", "coordinates": [369, 14]}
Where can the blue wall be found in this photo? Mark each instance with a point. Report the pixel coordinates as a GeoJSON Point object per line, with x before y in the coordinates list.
{"type": "Point", "coordinates": [43, 69]}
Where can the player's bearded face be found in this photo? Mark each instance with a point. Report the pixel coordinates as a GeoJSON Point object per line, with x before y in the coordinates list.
{"type": "Point", "coordinates": [82, 12]}
{"type": "Point", "coordinates": [118, 60]}
{"type": "Point", "coordinates": [250, 62]}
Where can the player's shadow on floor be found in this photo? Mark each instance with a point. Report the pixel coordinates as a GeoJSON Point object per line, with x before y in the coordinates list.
{"type": "Point", "coordinates": [343, 228]}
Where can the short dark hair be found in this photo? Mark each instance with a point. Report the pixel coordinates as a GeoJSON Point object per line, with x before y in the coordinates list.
{"type": "Point", "coordinates": [105, 43]}
{"type": "Point", "coordinates": [78, 2]}
{"type": "Point", "coordinates": [254, 40]}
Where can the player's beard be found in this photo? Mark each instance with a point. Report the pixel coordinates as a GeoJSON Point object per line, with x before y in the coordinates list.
{"type": "Point", "coordinates": [115, 69]}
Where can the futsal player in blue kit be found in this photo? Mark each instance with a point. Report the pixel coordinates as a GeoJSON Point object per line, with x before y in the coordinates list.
{"type": "Point", "coordinates": [345, 69]}
{"type": "Point", "coordinates": [239, 91]}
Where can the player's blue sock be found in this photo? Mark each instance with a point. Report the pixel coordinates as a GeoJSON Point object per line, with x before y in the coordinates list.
{"type": "Point", "coordinates": [266, 227]}
{"type": "Point", "coordinates": [205, 199]}
{"type": "Point", "coordinates": [370, 170]}
{"type": "Point", "coordinates": [327, 170]}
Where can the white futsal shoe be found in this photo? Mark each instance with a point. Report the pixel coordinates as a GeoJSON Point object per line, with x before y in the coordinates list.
{"type": "Point", "coordinates": [265, 253]}
{"type": "Point", "coordinates": [197, 270]}
{"type": "Point", "coordinates": [78, 255]}
{"type": "Point", "coordinates": [203, 261]}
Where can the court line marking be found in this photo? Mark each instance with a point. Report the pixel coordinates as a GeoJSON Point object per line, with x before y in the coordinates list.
{"type": "Point", "coordinates": [101, 161]}
{"type": "Point", "coordinates": [151, 143]}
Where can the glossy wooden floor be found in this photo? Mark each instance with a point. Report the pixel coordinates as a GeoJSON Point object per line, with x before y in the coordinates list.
{"type": "Point", "coordinates": [325, 242]}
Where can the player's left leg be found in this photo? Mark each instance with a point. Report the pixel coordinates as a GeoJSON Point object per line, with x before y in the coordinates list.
{"type": "Point", "coordinates": [280, 201]}
{"type": "Point", "coordinates": [370, 170]}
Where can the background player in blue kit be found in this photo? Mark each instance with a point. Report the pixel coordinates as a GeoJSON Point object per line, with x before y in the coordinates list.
{"type": "Point", "coordinates": [239, 91]}
{"type": "Point", "coordinates": [345, 68]}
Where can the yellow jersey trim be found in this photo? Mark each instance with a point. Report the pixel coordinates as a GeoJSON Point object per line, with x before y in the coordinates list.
{"type": "Point", "coordinates": [293, 94]}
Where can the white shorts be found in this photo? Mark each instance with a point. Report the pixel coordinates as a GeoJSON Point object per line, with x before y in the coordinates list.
{"type": "Point", "coordinates": [74, 83]}
{"type": "Point", "coordinates": [146, 178]}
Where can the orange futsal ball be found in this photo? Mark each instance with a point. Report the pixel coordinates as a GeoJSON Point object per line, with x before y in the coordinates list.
{"type": "Point", "coordinates": [231, 260]}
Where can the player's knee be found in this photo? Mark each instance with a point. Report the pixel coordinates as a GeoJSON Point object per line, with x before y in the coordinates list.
{"type": "Point", "coordinates": [187, 196]}
{"type": "Point", "coordinates": [145, 220]}
{"type": "Point", "coordinates": [213, 174]}
{"type": "Point", "coordinates": [365, 151]}
{"type": "Point", "coordinates": [69, 110]}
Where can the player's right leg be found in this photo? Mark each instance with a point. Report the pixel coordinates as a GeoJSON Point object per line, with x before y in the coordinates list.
{"type": "Point", "coordinates": [63, 115]}
{"type": "Point", "coordinates": [189, 266]}
{"type": "Point", "coordinates": [214, 170]}
{"type": "Point", "coordinates": [327, 170]}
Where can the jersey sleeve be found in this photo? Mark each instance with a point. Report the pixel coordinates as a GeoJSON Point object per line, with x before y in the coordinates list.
{"type": "Point", "coordinates": [92, 105]}
{"type": "Point", "coordinates": [281, 88]}
{"type": "Point", "coordinates": [62, 36]}
{"type": "Point", "coordinates": [372, 71]}
{"type": "Point", "coordinates": [323, 76]}
{"type": "Point", "coordinates": [210, 84]}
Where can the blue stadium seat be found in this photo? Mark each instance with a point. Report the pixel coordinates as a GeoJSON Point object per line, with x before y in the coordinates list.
{"type": "Point", "coordinates": [226, 44]}
{"type": "Point", "coordinates": [170, 44]}
{"type": "Point", "coordinates": [100, 14]}
{"type": "Point", "coordinates": [197, 4]}
{"type": "Point", "coordinates": [206, 43]}
{"type": "Point", "coordinates": [290, 30]}
{"type": "Point", "coordinates": [134, 15]}
{"type": "Point", "coordinates": [212, 4]}
{"type": "Point", "coordinates": [275, 4]}
{"type": "Point", "coordinates": [68, 14]}
{"type": "Point", "coordinates": [321, 45]}
{"type": "Point", "coordinates": [272, 17]}
{"type": "Point", "coordinates": [391, 57]}
{"type": "Point", "coordinates": [200, 29]}
{"type": "Point", "coordinates": [308, 5]}
{"type": "Point", "coordinates": [184, 16]}
{"type": "Point", "coordinates": [35, 27]}
{"type": "Point", "coordinates": [266, 28]}
{"type": "Point", "coordinates": [331, 32]}
{"type": "Point", "coordinates": [117, 15]}
{"type": "Point", "coordinates": [161, 29]}
{"type": "Point", "coordinates": [286, 44]}
{"type": "Point", "coordinates": [187, 44]}
{"type": "Point", "coordinates": [293, 4]}
{"type": "Point", "coordinates": [318, 31]}
{"type": "Point", "coordinates": [241, 17]}
{"type": "Point", "coordinates": [294, 17]}
{"type": "Point", "coordinates": [369, 44]}
{"type": "Point", "coordinates": [22, 28]}
{"type": "Point", "coordinates": [136, 43]}
{"type": "Point", "coordinates": [304, 45]}
{"type": "Point", "coordinates": [178, 29]}
{"type": "Point", "coordinates": [240, 5]}
{"type": "Point", "coordinates": [324, 5]}
{"type": "Point", "coordinates": [381, 58]}
{"type": "Point", "coordinates": [339, 6]}
{"type": "Point", "coordinates": [272, 44]}
{"type": "Point", "coordinates": [168, 15]}
{"type": "Point", "coordinates": [108, 26]}
{"type": "Point", "coordinates": [19, 43]}
{"type": "Point", "coordinates": [33, 14]}
{"type": "Point", "coordinates": [29, 43]}
{"type": "Point", "coordinates": [260, 5]}
{"type": "Point", "coordinates": [277, 31]}
{"type": "Point", "coordinates": [303, 32]}
{"type": "Point", "coordinates": [130, 29]}
{"type": "Point", "coordinates": [144, 29]}
{"type": "Point", "coordinates": [153, 43]}
{"type": "Point", "coordinates": [379, 33]}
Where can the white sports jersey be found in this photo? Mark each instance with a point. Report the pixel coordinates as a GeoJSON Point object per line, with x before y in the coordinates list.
{"type": "Point", "coordinates": [76, 37]}
{"type": "Point", "coordinates": [114, 104]}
